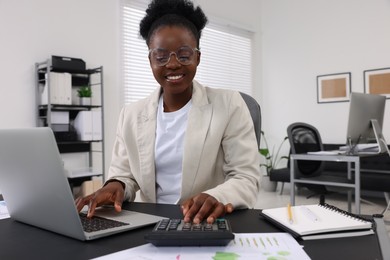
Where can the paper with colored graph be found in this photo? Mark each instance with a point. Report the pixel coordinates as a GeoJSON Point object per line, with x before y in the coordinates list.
{"type": "Point", "coordinates": [267, 246]}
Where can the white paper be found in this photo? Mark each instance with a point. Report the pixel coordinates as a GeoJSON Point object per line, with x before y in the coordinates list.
{"type": "Point", "coordinates": [328, 220]}
{"type": "Point", "coordinates": [244, 246]}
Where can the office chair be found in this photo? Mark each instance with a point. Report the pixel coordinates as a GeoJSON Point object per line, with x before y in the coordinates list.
{"type": "Point", "coordinates": [255, 111]}
{"type": "Point", "coordinates": [280, 175]}
{"type": "Point", "coordinates": [305, 138]}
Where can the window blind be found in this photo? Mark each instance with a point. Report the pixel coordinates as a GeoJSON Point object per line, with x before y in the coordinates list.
{"type": "Point", "coordinates": [226, 60]}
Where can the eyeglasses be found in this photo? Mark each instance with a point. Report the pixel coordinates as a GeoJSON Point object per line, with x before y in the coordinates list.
{"type": "Point", "coordinates": [184, 55]}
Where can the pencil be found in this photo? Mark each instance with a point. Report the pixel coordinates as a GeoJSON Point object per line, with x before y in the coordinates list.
{"type": "Point", "coordinates": [289, 212]}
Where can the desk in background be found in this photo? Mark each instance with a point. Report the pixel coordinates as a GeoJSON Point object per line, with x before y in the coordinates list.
{"type": "Point", "coordinates": [21, 241]}
{"type": "Point", "coordinates": [339, 182]}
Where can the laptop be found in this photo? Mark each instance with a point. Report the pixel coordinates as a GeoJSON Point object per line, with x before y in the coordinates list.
{"type": "Point", "coordinates": [36, 190]}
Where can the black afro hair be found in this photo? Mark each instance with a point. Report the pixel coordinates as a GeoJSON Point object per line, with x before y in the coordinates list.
{"type": "Point", "coordinates": [172, 12]}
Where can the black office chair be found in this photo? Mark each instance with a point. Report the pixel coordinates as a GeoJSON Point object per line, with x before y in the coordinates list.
{"type": "Point", "coordinates": [281, 175]}
{"type": "Point", "coordinates": [305, 138]}
{"type": "Point", "coordinates": [255, 111]}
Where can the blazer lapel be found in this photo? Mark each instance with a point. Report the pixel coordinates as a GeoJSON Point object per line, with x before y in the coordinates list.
{"type": "Point", "coordinates": [146, 140]}
{"type": "Point", "coordinates": [197, 127]}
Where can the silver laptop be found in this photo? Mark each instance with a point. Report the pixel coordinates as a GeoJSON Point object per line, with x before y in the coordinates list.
{"type": "Point", "coordinates": [36, 190]}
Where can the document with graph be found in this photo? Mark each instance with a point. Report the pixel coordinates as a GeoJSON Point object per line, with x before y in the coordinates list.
{"type": "Point", "coordinates": [318, 221]}
{"type": "Point", "coordinates": [248, 246]}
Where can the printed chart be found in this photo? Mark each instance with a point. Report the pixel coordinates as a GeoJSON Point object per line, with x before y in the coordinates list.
{"type": "Point", "coordinates": [266, 246]}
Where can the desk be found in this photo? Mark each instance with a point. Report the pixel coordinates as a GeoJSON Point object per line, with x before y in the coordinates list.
{"type": "Point", "coordinates": [340, 182]}
{"type": "Point", "coordinates": [21, 241]}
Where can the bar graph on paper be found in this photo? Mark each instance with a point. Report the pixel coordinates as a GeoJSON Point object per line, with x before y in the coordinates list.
{"type": "Point", "coordinates": [269, 246]}
{"type": "Point", "coordinates": [266, 246]}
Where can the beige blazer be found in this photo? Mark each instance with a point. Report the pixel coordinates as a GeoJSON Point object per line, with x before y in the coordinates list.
{"type": "Point", "coordinates": [220, 149]}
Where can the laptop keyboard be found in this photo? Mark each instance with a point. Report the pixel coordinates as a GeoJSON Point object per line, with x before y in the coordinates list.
{"type": "Point", "coordinates": [98, 223]}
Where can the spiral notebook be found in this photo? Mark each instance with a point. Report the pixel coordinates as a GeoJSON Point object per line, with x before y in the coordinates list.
{"type": "Point", "coordinates": [318, 221]}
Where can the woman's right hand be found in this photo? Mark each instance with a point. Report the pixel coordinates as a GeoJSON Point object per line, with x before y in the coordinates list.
{"type": "Point", "coordinates": [112, 193]}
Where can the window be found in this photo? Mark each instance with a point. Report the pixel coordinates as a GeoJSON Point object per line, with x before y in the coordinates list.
{"type": "Point", "coordinates": [226, 60]}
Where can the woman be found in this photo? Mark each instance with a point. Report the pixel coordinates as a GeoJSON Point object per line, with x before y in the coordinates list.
{"type": "Point", "coordinates": [185, 143]}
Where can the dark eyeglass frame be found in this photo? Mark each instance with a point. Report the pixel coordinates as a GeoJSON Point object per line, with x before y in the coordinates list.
{"type": "Point", "coordinates": [190, 61]}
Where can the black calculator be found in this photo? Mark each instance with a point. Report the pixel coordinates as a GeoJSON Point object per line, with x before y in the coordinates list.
{"type": "Point", "coordinates": [175, 232]}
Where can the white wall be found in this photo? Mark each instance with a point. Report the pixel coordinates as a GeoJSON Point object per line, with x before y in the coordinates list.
{"type": "Point", "coordinates": [245, 14]}
{"type": "Point", "coordinates": [302, 39]}
{"type": "Point", "coordinates": [32, 31]}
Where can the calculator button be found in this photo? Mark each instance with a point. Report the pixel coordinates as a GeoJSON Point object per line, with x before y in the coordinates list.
{"type": "Point", "coordinates": [221, 224]}
{"type": "Point", "coordinates": [196, 227]}
{"type": "Point", "coordinates": [162, 227]}
{"type": "Point", "coordinates": [208, 227]}
{"type": "Point", "coordinates": [186, 227]}
{"type": "Point", "coordinates": [176, 221]}
{"type": "Point", "coordinates": [174, 224]}
{"type": "Point", "coordinates": [163, 224]}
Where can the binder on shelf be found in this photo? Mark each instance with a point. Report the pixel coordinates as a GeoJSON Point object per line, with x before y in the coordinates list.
{"type": "Point", "coordinates": [96, 95]}
{"type": "Point", "coordinates": [89, 125]}
{"type": "Point", "coordinates": [83, 125]}
{"type": "Point", "coordinates": [60, 89]}
{"type": "Point", "coordinates": [96, 125]}
{"type": "Point", "coordinates": [318, 222]}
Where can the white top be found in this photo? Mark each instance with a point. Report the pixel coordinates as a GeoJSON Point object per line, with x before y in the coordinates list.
{"type": "Point", "coordinates": [170, 131]}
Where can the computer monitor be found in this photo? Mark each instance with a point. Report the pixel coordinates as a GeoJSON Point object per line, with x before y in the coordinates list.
{"type": "Point", "coordinates": [363, 108]}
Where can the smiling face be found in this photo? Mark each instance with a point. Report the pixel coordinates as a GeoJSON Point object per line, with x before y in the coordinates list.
{"type": "Point", "coordinates": [174, 78]}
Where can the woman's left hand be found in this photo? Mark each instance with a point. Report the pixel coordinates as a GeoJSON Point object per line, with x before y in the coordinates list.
{"type": "Point", "coordinates": [204, 206]}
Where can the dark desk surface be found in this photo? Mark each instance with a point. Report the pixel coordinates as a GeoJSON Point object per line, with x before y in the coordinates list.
{"type": "Point", "coordinates": [21, 241]}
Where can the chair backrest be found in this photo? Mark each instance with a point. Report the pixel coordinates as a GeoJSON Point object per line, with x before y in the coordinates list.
{"type": "Point", "coordinates": [255, 111]}
{"type": "Point", "coordinates": [305, 138]}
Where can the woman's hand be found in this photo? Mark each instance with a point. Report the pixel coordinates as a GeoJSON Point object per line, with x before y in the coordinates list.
{"type": "Point", "coordinates": [204, 206]}
{"type": "Point", "coordinates": [111, 193]}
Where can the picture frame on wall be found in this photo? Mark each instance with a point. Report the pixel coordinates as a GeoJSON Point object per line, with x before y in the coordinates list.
{"type": "Point", "coordinates": [334, 87]}
{"type": "Point", "coordinates": [377, 81]}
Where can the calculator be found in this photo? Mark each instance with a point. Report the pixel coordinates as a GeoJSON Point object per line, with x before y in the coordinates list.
{"type": "Point", "coordinates": [175, 232]}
